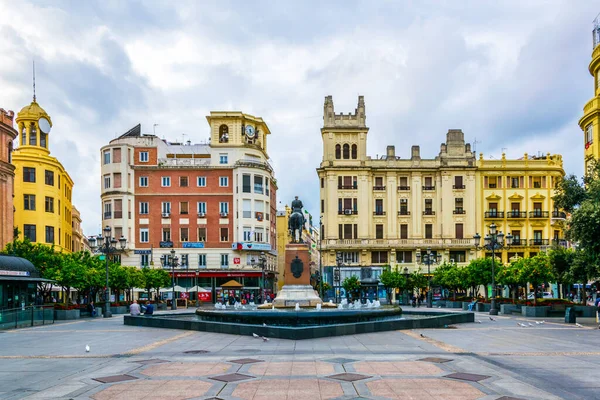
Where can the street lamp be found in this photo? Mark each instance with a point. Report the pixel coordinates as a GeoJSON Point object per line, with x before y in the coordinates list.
{"type": "Point", "coordinates": [171, 261]}
{"type": "Point", "coordinates": [321, 256]}
{"type": "Point", "coordinates": [428, 259]}
{"type": "Point", "coordinates": [107, 245]}
{"type": "Point", "coordinates": [337, 276]}
{"type": "Point", "coordinates": [263, 262]}
{"type": "Point", "coordinates": [406, 275]}
{"type": "Point", "coordinates": [493, 241]}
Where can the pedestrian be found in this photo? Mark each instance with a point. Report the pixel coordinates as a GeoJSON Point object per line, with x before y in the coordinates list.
{"type": "Point", "coordinates": [134, 308]}
{"type": "Point", "coordinates": [92, 309]}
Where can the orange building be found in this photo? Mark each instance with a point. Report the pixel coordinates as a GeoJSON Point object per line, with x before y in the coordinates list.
{"type": "Point", "coordinates": [7, 176]}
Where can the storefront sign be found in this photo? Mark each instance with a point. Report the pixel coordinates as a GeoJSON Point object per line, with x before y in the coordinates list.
{"type": "Point", "coordinates": [184, 274]}
{"type": "Point", "coordinates": [210, 274]}
{"type": "Point", "coordinates": [14, 273]}
{"type": "Point", "coordinates": [204, 296]}
{"type": "Point", "coordinates": [251, 246]}
{"type": "Point", "coordinates": [236, 260]}
{"type": "Point", "coordinates": [142, 252]}
{"type": "Point", "coordinates": [184, 295]}
{"type": "Point", "coordinates": [193, 245]}
{"type": "Point", "coordinates": [166, 244]}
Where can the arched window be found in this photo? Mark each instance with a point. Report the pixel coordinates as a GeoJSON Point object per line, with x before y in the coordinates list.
{"type": "Point", "coordinates": [338, 151]}
{"type": "Point", "coordinates": [43, 137]}
{"type": "Point", "coordinates": [346, 151]}
{"type": "Point", "coordinates": [33, 135]}
{"type": "Point", "coordinates": [23, 135]}
{"type": "Point", "coordinates": [223, 134]}
{"type": "Point", "coordinates": [354, 152]}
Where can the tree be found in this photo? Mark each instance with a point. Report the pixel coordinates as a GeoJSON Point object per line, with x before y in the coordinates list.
{"type": "Point", "coordinates": [155, 279]}
{"type": "Point", "coordinates": [561, 260]}
{"type": "Point", "coordinates": [391, 280]}
{"type": "Point", "coordinates": [536, 270]}
{"type": "Point", "coordinates": [479, 272]}
{"type": "Point", "coordinates": [450, 276]}
{"type": "Point", "coordinates": [135, 279]}
{"type": "Point", "coordinates": [509, 275]}
{"type": "Point", "coordinates": [416, 280]}
{"type": "Point", "coordinates": [352, 286]}
{"type": "Point", "coordinates": [117, 279]}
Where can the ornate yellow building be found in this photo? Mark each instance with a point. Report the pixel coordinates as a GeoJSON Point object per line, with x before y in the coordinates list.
{"type": "Point", "coordinates": [590, 122]}
{"type": "Point", "coordinates": [43, 188]}
{"type": "Point", "coordinates": [516, 195]}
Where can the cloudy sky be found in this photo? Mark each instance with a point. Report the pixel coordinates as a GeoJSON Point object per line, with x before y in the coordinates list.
{"type": "Point", "coordinates": [511, 74]}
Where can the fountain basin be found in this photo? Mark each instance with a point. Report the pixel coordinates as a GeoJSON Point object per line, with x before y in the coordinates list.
{"type": "Point", "coordinates": [303, 324]}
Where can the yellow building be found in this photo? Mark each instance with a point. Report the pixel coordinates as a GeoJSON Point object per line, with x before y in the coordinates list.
{"type": "Point", "coordinates": [283, 238]}
{"type": "Point", "coordinates": [590, 122]}
{"type": "Point", "coordinates": [43, 209]}
{"type": "Point", "coordinates": [516, 195]}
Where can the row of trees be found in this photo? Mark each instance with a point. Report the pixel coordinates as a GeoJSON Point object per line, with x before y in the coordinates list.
{"type": "Point", "coordinates": [85, 272]}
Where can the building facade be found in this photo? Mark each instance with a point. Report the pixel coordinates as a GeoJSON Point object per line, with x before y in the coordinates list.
{"type": "Point", "coordinates": [388, 210]}
{"type": "Point", "coordinates": [212, 203]}
{"type": "Point", "coordinates": [43, 188]}
{"type": "Point", "coordinates": [590, 122]}
{"type": "Point", "coordinates": [7, 176]}
{"type": "Point", "coordinates": [80, 241]}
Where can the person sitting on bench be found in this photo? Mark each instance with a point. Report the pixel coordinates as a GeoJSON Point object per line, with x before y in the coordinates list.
{"type": "Point", "coordinates": [472, 304]}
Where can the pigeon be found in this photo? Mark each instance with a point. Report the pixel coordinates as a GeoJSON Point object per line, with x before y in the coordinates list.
{"type": "Point", "coordinates": [422, 335]}
{"type": "Point", "coordinates": [87, 348]}
{"type": "Point", "coordinates": [577, 324]}
{"type": "Point", "coordinates": [265, 339]}
{"type": "Point", "coordinates": [264, 324]}
{"type": "Point", "coordinates": [492, 319]}
{"type": "Point", "coordinates": [478, 321]}
{"type": "Point", "coordinates": [539, 323]}
{"type": "Point", "coordinates": [521, 325]}
{"type": "Point", "coordinates": [530, 324]}
{"type": "Point", "coordinates": [439, 306]}
{"type": "Point", "coordinates": [255, 335]}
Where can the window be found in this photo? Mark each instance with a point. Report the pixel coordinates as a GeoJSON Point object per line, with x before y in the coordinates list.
{"type": "Point", "coordinates": [379, 207]}
{"type": "Point", "coordinates": [166, 234]}
{"type": "Point", "coordinates": [492, 182]}
{"type": "Point", "coordinates": [537, 182]}
{"type": "Point", "coordinates": [493, 207]}
{"type": "Point", "coordinates": [428, 181]}
{"type": "Point", "coordinates": [29, 232]}
{"type": "Point", "coordinates": [258, 184]}
{"type": "Point", "coordinates": [144, 235]}
{"type": "Point", "coordinates": [246, 186]}
{"type": "Point", "coordinates": [201, 181]}
{"type": "Point", "coordinates": [322, 206]}
{"type": "Point", "coordinates": [33, 135]}
{"type": "Point", "coordinates": [458, 256]}
{"type": "Point", "coordinates": [183, 207]}
{"type": "Point", "coordinates": [29, 202]}
{"type": "Point", "coordinates": [259, 235]}
{"type": "Point", "coordinates": [379, 231]}
{"type": "Point", "coordinates": [106, 157]}
{"type": "Point", "coordinates": [144, 260]}
{"type": "Point", "coordinates": [514, 182]}
{"type": "Point", "coordinates": [117, 155]}
{"type": "Point", "coordinates": [350, 257]}
{"type": "Point", "coordinates": [202, 260]}
{"type": "Point", "coordinates": [404, 207]}
{"type": "Point", "coordinates": [247, 234]}
{"type": "Point", "coordinates": [458, 231]}
{"type": "Point", "coordinates": [458, 182]}
{"type": "Point", "coordinates": [322, 183]}
{"type": "Point", "coordinates": [224, 260]}
{"type": "Point", "coordinates": [403, 185]}
{"type": "Point", "coordinates": [117, 177]}
{"type": "Point", "coordinates": [428, 231]}
{"type": "Point", "coordinates": [166, 181]}
{"type": "Point", "coordinates": [224, 208]}
{"type": "Point", "coordinates": [379, 257]}
{"type": "Point", "coordinates": [49, 234]}
{"type": "Point", "coordinates": [222, 158]}
{"type": "Point", "coordinates": [118, 232]}
{"type": "Point", "coordinates": [143, 156]}
{"type": "Point", "coordinates": [49, 204]}
{"type": "Point", "coordinates": [404, 257]}
{"type": "Point", "coordinates": [23, 136]}
{"type": "Point", "coordinates": [201, 207]}
{"type": "Point", "coordinates": [166, 207]}
{"type": "Point", "coordinates": [143, 181]}
{"type": "Point", "coordinates": [428, 207]}
{"type": "Point", "coordinates": [246, 208]}
{"type": "Point", "coordinates": [49, 177]}
{"type": "Point", "coordinates": [202, 234]}
{"type": "Point", "coordinates": [338, 151]}
{"type": "Point", "coordinates": [223, 134]}
{"type": "Point", "coordinates": [404, 231]}
{"type": "Point", "coordinates": [144, 208]}
{"type": "Point", "coordinates": [29, 175]}
{"type": "Point", "coordinates": [346, 151]}
{"type": "Point", "coordinates": [106, 181]}
{"type": "Point", "coordinates": [184, 234]}
{"type": "Point", "coordinates": [458, 206]}
{"type": "Point", "coordinates": [223, 181]}
{"type": "Point", "coordinates": [589, 134]}
{"type": "Point", "coordinates": [224, 236]}
{"type": "Point", "coordinates": [354, 152]}
{"type": "Point", "coordinates": [183, 181]}
{"type": "Point", "coordinates": [378, 181]}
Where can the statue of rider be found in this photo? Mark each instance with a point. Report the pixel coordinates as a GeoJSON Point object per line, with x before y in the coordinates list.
{"type": "Point", "coordinates": [297, 219]}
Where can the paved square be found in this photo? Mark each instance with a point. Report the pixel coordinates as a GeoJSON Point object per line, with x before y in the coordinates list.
{"type": "Point", "coordinates": [246, 361]}
{"type": "Point", "coordinates": [231, 377]}
{"type": "Point", "coordinates": [115, 378]}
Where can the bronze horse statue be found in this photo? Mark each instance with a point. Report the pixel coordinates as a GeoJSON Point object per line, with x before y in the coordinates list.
{"type": "Point", "coordinates": [296, 221]}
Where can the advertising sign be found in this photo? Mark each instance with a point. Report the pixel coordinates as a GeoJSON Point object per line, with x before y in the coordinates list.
{"type": "Point", "coordinates": [13, 273]}
{"type": "Point", "coordinates": [166, 244]}
{"type": "Point", "coordinates": [184, 295]}
{"type": "Point", "coordinates": [251, 246]}
{"type": "Point", "coordinates": [193, 245]}
{"type": "Point", "coordinates": [236, 260]}
{"type": "Point", "coordinates": [142, 252]}
{"type": "Point", "coordinates": [205, 296]}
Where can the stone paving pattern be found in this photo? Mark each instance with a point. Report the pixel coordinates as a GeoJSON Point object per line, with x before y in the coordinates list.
{"type": "Point", "coordinates": [549, 361]}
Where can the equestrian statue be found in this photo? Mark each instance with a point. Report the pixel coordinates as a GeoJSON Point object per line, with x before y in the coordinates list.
{"type": "Point", "coordinates": [296, 221]}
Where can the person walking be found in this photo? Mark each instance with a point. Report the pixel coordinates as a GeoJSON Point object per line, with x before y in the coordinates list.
{"type": "Point", "coordinates": [134, 308]}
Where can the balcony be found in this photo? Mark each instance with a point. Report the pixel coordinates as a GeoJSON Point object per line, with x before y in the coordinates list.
{"type": "Point", "coordinates": [166, 215]}
{"type": "Point", "coordinates": [403, 187]}
{"type": "Point", "coordinates": [516, 214]}
{"type": "Point", "coordinates": [428, 212]}
{"type": "Point", "coordinates": [378, 187]}
{"type": "Point", "coordinates": [559, 214]}
{"type": "Point", "coordinates": [348, 187]}
{"type": "Point", "coordinates": [494, 214]}
{"type": "Point", "coordinates": [459, 211]}
{"type": "Point", "coordinates": [559, 242]}
{"type": "Point", "coordinates": [347, 211]}
{"type": "Point", "coordinates": [403, 212]}
{"type": "Point", "coordinates": [429, 187]}
{"type": "Point", "coordinates": [107, 215]}
{"type": "Point", "coordinates": [458, 187]}
{"type": "Point", "coordinates": [517, 242]}
{"type": "Point", "coordinates": [538, 214]}
{"type": "Point", "coordinates": [379, 212]}
{"type": "Point", "coordinates": [539, 242]}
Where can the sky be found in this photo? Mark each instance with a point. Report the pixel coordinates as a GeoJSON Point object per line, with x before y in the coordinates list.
{"type": "Point", "coordinates": [513, 75]}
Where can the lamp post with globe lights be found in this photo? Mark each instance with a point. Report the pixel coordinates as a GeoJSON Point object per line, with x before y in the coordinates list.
{"type": "Point", "coordinates": [170, 260]}
{"type": "Point", "coordinates": [429, 258]}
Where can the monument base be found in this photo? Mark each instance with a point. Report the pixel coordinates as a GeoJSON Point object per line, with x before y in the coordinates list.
{"type": "Point", "coordinates": [290, 295]}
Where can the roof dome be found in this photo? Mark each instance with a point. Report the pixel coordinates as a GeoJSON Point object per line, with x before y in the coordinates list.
{"type": "Point", "coordinates": [10, 263]}
{"type": "Point", "coordinates": [33, 112]}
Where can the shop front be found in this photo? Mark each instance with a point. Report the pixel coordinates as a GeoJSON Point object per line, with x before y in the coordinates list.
{"type": "Point", "coordinates": [18, 283]}
{"type": "Point", "coordinates": [221, 286]}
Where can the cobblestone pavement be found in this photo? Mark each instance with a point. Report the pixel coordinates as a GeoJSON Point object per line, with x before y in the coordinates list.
{"type": "Point", "coordinates": [486, 360]}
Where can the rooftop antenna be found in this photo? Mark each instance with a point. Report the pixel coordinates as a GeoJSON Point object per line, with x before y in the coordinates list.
{"type": "Point", "coordinates": [154, 129]}
{"type": "Point", "coordinates": [504, 150]}
{"type": "Point", "coordinates": [183, 135]}
{"type": "Point", "coordinates": [34, 81]}
{"type": "Point", "coordinates": [475, 144]}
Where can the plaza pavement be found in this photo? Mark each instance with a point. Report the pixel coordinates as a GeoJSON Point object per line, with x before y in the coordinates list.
{"type": "Point", "coordinates": [547, 361]}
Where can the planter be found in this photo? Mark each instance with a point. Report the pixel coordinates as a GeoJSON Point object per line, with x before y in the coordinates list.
{"type": "Point", "coordinates": [454, 304]}
{"type": "Point", "coordinates": [61, 315]}
{"type": "Point", "coordinates": [465, 305]}
{"type": "Point", "coordinates": [510, 309]}
{"type": "Point", "coordinates": [98, 312]}
{"type": "Point", "coordinates": [586, 311]}
{"type": "Point", "coordinates": [161, 306]}
{"type": "Point", "coordinates": [119, 310]}
{"type": "Point", "coordinates": [529, 311]}
{"type": "Point", "coordinates": [483, 307]}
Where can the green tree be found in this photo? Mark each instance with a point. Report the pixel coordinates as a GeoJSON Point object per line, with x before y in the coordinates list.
{"type": "Point", "coordinates": [352, 287]}
{"type": "Point", "coordinates": [135, 279]}
{"type": "Point", "coordinates": [391, 280]}
{"type": "Point", "coordinates": [451, 277]}
{"type": "Point", "coordinates": [479, 272]}
{"type": "Point", "coordinates": [118, 279]}
{"type": "Point", "coordinates": [155, 279]}
{"type": "Point", "coordinates": [68, 273]}
{"type": "Point", "coordinates": [509, 275]}
{"type": "Point", "coordinates": [416, 280]}
{"type": "Point", "coordinates": [561, 259]}
{"type": "Point", "coordinates": [536, 270]}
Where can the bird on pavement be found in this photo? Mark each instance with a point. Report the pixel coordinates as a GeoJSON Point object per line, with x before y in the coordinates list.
{"type": "Point", "coordinates": [521, 325]}
{"type": "Point", "coordinates": [577, 324]}
{"type": "Point", "coordinates": [492, 319]}
{"type": "Point", "coordinates": [265, 339]}
{"type": "Point", "coordinates": [264, 324]}
{"type": "Point", "coordinates": [478, 321]}
{"type": "Point", "coordinates": [422, 335]}
{"type": "Point", "coordinates": [255, 335]}
{"type": "Point", "coordinates": [87, 348]}
{"type": "Point", "coordinates": [530, 324]}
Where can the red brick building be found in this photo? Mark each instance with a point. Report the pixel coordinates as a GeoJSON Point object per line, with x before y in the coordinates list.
{"type": "Point", "coordinates": [7, 176]}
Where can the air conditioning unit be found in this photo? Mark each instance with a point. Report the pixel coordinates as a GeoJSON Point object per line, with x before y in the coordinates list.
{"type": "Point", "coordinates": [348, 211]}
{"type": "Point", "coordinates": [166, 215]}
{"type": "Point", "coordinates": [201, 215]}
{"type": "Point", "coordinates": [223, 214]}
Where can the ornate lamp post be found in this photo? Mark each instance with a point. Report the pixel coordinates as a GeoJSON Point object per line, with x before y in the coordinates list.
{"type": "Point", "coordinates": [171, 261]}
{"type": "Point", "coordinates": [493, 241]}
{"type": "Point", "coordinates": [107, 245]}
{"type": "Point", "coordinates": [337, 276]}
{"type": "Point", "coordinates": [263, 263]}
{"type": "Point", "coordinates": [406, 275]}
{"type": "Point", "coordinates": [428, 259]}
{"type": "Point", "coordinates": [321, 256]}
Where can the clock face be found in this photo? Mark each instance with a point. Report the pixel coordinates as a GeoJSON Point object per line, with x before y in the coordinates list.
{"type": "Point", "coordinates": [250, 132]}
{"type": "Point", "coordinates": [44, 125]}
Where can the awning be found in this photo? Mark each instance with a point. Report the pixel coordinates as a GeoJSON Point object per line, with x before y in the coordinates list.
{"type": "Point", "coordinates": [199, 289]}
{"type": "Point", "coordinates": [24, 279]}
{"type": "Point", "coordinates": [170, 289]}
{"type": "Point", "coordinates": [233, 284]}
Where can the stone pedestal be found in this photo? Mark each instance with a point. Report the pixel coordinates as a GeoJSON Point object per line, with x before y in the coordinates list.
{"type": "Point", "coordinates": [296, 276]}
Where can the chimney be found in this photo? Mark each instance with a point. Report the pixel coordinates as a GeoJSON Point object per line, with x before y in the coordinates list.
{"type": "Point", "coordinates": [415, 153]}
{"type": "Point", "coordinates": [391, 152]}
